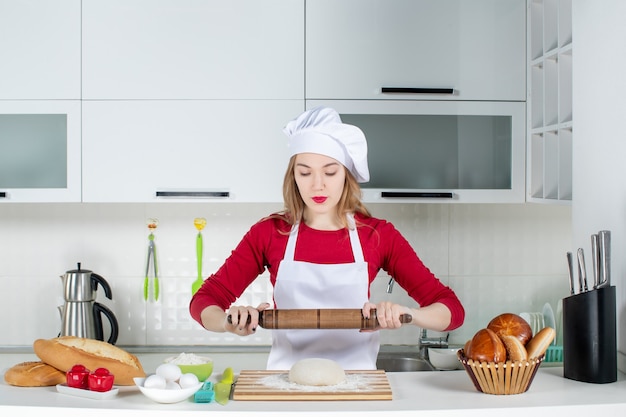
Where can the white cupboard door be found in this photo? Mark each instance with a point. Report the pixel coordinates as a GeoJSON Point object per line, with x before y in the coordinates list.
{"type": "Point", "coordinates": [40, 151]}
{"type": "Point", "coordinates": [193, 49]}
{"type": "Point", "coordinates": [197, 150]}
{"type": "Point", "coordinates": [475, 48]}
{"type": "Point", "coordinates": [39, 49]}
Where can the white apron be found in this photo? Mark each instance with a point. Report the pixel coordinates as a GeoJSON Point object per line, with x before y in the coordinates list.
{"type": "Point", "coordinates": [307, 285]}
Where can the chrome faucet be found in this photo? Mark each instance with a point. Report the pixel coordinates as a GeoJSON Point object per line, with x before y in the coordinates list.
{"type": "Point", "coordinates": [390, 285]}
{"type": "Point", "coordinates": [425, 342]}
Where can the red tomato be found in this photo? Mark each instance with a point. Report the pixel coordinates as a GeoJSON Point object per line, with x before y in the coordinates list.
{"type": "Point", "coordinates": [77, 377]}
{"type": "Point", "coordinates": [101, 380]}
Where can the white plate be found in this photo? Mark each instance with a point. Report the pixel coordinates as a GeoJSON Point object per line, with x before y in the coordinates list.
{"type": "Point", "coordinates": [85, 393]}
{"type": "Point", "coordinates": [559, 323]}
{"type": "Point", "coordinates": [549, 318]}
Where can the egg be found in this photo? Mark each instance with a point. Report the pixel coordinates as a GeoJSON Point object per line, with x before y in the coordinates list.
{"type": "Point", "coordinates": [188, 380]}
{"type": "Point", "coordinates": [169, 371]}
{"type": "Point", "coordinates": [155, 381]}
{"type": "Point", "coordinates": [172, 385]}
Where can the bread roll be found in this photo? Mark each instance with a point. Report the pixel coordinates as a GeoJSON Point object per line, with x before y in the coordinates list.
{"type": "Point", "coordinates": [33, 374]}
{"type": "Point", "coordinates": [515, 351]}
{"type": "Point", "coordinates": [540, 342]}
{"type": "Point", "coordinates": [513, 325]}
{"type": "Point", "coordinates": [66, 351]}
{"type": "Point", "coordinates": [486, 346]}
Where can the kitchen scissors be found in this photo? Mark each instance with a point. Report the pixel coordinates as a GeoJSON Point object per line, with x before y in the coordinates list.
{"type": "Point", "coordinates": [152, 225]}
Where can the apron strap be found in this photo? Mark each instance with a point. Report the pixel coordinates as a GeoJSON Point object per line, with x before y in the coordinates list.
{"type": "Point", "coordinates": [290, 250]}
{"type": "Point", "coordinates": [355, 242]}
{"type": "Point", "coordinates": [357, 250]}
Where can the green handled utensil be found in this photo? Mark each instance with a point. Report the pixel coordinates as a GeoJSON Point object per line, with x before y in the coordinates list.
{"type": "Point", "coordinates": [199, 223]}
{"type": "Point", "coordinates": [224, 387]}
{"type": "Point", "coordinates": [152, 225]}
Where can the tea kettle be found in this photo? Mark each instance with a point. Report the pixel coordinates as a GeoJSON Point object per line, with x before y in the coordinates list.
{"type": "Point", "coordinates": [81, 315]}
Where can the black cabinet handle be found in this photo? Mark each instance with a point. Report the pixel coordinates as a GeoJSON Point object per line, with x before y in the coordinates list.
{"type": "Point", "coordinates": [410, 90]}
{"type": "Point", "coordinates": [416, 194]}
{"type": "Point", "coordinates": [3, 194]}
{"type": "Point", "coordinates": [194, 194]}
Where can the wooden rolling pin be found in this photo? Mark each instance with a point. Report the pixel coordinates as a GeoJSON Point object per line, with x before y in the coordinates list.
{"type": "Point", "coordinates": [332, 318]}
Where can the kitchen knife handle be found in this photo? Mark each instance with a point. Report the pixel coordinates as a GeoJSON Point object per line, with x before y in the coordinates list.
{"type": "Point", "coordinates": [320, 319]}
{"type": "Point", "coordinates": [595, 257]}
{"type": "Point", "coordinates": [570, 268]}
{"type": "Point", "coordinates": [582, 271]}
{"type": "Point", "coordinates": [604, 243]}
{"type": "Point", "coordinates": [419, 90]}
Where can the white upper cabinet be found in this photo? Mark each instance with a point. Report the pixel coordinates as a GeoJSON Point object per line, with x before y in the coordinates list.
{"type": "Point", "coordinates": [39, 49]}
{"type": "Point", "coordinates": [355, 48]}
{"type": "Point", "coordinates": [550, 123]}
{"type": "Point", "coordinates": [185, 150]}
{"type": "Point", "coordinates": [193, 49]}
{"type": "Point", "coordinates": [40, 151]}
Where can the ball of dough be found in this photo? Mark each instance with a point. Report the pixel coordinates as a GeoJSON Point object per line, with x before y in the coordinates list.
{"type": "Point", "coordinates": [316, 371]}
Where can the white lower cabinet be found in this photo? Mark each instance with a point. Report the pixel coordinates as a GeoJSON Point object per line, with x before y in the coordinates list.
{"type": "Point", "coordinates": [178, 150]}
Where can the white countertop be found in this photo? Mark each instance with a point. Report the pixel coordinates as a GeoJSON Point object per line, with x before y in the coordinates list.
{"type": "Point", "coordinates": [446, 393]}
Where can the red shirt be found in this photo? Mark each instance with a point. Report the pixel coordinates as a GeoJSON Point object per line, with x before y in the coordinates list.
{"type": "Point", "coordinates": [263, 247]}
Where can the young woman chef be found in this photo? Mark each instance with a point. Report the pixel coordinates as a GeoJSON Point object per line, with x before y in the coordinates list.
{"type": "Point", "coordinates": [323, 251]}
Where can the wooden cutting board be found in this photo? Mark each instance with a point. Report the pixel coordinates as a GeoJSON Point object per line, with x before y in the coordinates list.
{"type": "Point", "coordinates": [275, 386]}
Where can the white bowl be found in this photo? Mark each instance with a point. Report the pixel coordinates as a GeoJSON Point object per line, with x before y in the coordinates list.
{"type": "Point", "coordinates": [444, 359]}
{"type": "Point", "coordinates": [166, 396]}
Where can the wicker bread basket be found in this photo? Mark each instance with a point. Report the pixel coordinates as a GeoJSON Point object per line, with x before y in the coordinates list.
{"type": "Point", "coordinates": [502, 378]}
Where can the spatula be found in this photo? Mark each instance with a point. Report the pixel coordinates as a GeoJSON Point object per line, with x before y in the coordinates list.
{"type": "Point", "coordinates": [224, 387]}
{"type": "Point", "coordinates": [199, 223]}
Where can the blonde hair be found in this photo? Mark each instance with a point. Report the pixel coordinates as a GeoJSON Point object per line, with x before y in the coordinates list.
{"type": "Point", "coordinates": [350, 201]}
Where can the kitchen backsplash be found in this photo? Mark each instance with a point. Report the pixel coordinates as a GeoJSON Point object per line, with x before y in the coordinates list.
{"type": "Point", "coordinates": [496, 257]}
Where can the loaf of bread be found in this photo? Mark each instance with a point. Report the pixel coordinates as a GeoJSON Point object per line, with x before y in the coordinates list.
{"type": "Point", "coordinates": [33, 374]}
{"type": "Point", "coordinates": [486, 346]}
{"type": "Point", "coordinates": [540, 342]}
{"type": "Point", "coordinates": [511, 325]}
{"type": "Point", "coordinates": [66, 351]}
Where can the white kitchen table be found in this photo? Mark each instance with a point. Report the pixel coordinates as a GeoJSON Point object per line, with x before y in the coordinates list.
{"type": "Point", "coordinates": [444, 393]}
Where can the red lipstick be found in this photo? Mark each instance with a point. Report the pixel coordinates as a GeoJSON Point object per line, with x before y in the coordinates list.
{"type": "Point", "coordinates": [319, 199]}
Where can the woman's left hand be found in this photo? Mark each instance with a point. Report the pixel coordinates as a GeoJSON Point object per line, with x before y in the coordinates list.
{"type": "Point", "coordinates": [388, 313]}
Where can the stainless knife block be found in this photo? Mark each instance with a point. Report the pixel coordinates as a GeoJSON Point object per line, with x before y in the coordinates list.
{"type": "Point", "coordinates": [589, 336]}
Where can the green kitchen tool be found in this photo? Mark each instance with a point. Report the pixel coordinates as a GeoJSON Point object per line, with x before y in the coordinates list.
{"type": "Point", "coordinates": [199, 223]}
{"type": "Point", "coordinates": [223, 388]}
{"type": "Point", "coordinates": [152, 225]}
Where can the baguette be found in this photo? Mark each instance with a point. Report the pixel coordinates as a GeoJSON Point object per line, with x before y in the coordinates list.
{"type": "Point", "coordinates": [66, 351]}
{"type": "Point", "coordinates": [34, 374]}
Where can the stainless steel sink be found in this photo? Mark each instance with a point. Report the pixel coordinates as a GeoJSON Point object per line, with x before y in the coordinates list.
{"type": "Point", "coordinates": [402, 363]}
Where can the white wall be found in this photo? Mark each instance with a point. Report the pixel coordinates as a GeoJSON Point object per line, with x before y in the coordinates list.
{"type": "Point", "coordinates": [599, 200]}
{"type": "Point", "coordinates": [497, 258]}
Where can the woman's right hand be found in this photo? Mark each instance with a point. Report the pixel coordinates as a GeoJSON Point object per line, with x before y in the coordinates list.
{"type": "Point", "coordinates": [243, 320]}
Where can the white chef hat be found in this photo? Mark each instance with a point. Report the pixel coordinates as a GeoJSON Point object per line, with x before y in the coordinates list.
{"type": "Point", "coordinates": [321, 131]}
